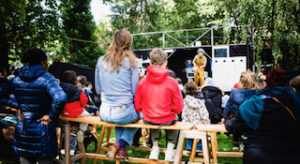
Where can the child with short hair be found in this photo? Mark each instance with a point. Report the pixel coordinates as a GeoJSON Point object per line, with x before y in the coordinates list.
{"type": "Point", "coordinates": [76, 101]}
{"type": "Point", "coordinates": [159, 98]}
{"type": "Point", "coordinates": [194, 111]}
{"type": "Point", "coordinates": [295, 83]}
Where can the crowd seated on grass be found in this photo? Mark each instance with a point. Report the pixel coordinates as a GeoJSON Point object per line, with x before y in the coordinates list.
{"type": "Point", "coordinates": [268, 119]}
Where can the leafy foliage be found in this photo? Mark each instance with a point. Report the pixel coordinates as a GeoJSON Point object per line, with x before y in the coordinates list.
{"type": "Point", "coordinates": [275, 23]}
{"type": "Point", "coordinates": [27, 24]}
{"type": "Point", "coordinates": [78, 23]}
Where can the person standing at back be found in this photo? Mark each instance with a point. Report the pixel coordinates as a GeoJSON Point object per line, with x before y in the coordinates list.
{"type": "Point", "coordinates": [199, 63]}
{"type": "Point", "coordinates": [159, 98]}
{"type": "Point", "coordinates": [41, 100]}
{"type": "Point", "coordinates": [116, 79]}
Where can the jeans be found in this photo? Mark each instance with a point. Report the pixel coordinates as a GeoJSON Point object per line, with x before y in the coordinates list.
{"type": "Point", "coordinates": [83, 127]}
{"type": "Point", "coordinates": [34, 161]}
{"type": "Point", "coordinates": [124, 114]}
{"type": "Point", "coordinates": [190, 142]}
{"type": "Point", "coordinates": [73, 142]}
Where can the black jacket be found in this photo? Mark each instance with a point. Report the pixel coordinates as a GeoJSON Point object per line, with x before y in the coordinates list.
{"type": "Point", "coordinates": [213, 102]}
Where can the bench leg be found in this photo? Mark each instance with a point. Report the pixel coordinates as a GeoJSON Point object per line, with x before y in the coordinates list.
{"type": "Point", "coordinates": [67, 143]}
{"type": "Point", "coordinates": [108, 134]}
{"type": "Point", "coordinates": [194, 148]}
{"type": "Point", "coordinates": [205, 149]}
{"type": "Point", "coordinates": [214, 145]}
{"type": "Point", "coordinates": [100, 141]}
{"type": "Point", "coordinates": [144, 136]}
{"type": "Point", "coordinates": [82, 150]}
{"type": "Point", "coordinates": [179, 149]}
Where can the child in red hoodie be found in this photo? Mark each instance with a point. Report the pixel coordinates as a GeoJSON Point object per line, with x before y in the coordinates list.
{"type": "Point", "coordinates": [159, 98]}
{"type": "Point", "coordinates": [76, 101]}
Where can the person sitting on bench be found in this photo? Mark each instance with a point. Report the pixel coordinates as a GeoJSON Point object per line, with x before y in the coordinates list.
{"type": "Point", "coordinates": [159, 98]}
{"type": "Point", "coordinates": [116, 79]}
{"type": "Point", "coordinates": [194, 111]}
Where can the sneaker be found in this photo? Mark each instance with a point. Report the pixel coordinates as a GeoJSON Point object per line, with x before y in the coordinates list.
{"type": "Point", "coordinates": [242, 147]}
{"type": "Point", "coordinates": [63, 152]}
{"type": "Point", "coordinates": [122, 154]}
{"type": "Point", "coordinates": [169, 155]}
{"type": "Point", "coordinates": [80, 136]}
{"type": "Point", "coordinates": [72, 152]}
{"type": "Point", "coordinates": [114, 149]}
{"type": "Point", "coordinates": [235, 149]}
{"type": "Point", "coordinates": [154, 153]}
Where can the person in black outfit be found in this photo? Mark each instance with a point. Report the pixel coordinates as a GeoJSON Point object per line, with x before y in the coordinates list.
{"type": "Point", "coordinates": [213, 100]}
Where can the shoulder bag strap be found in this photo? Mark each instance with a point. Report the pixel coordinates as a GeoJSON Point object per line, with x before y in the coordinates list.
{"type": "Point", "coordinates": [288, 109]}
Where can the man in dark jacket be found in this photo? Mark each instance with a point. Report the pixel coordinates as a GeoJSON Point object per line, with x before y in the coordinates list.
{"type": "Point", "coordinates": [41, 100]}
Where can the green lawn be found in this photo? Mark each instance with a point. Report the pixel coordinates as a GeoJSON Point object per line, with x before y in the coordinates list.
{"type": "Point", "coordinates": [224, 144]}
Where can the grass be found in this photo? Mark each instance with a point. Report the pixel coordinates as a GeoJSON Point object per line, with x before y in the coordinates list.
{"type": "Point", "coordinates": [224, 144]}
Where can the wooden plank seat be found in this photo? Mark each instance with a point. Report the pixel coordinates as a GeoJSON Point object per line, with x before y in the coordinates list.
{"type": "Point", "coordinates": [95, 120]}
{"type": "Point", "coordinates": [212, 130]}
{"type": "Point", "coordinates": [106, 127]}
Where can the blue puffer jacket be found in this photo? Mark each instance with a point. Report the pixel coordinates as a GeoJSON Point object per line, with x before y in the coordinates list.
{"type": "Point", "coordinates": [237, 97]}
{"type": "Point", "coordinates": [37, 93]}
{"type": "Point", "coordinates": [5, 90]}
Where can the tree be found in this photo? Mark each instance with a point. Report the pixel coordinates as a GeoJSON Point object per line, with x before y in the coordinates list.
{"type": "Point", "coordinates": [27, 24]}
{"type": "Point", "coordinates": [79, 41]}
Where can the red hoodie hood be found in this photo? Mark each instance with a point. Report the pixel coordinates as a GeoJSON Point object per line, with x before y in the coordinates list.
{"type": "Point", "coordinates": [156, 74]}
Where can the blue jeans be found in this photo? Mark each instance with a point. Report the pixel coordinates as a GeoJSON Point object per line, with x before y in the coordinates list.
{"type": "Point", "coordinates": [124, 114]}
{"type": "Point", "coordinates": [189, 145]}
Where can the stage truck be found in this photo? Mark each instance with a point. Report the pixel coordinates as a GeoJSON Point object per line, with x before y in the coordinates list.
{"type": "Point", "coordinates": [225, 62]}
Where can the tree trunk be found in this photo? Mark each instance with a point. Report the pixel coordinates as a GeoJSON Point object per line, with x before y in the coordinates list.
{"type": "Point", "coordinates": [4, 47]}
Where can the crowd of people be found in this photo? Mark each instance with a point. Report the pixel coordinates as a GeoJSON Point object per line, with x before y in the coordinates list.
{"type": "Point", "coordinates": [264, 118]}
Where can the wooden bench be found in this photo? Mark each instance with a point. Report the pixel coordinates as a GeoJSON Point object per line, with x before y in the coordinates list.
{"type": "Point", "coordinates": [212, 130]}
{"type": "Point", "coordinates": [106, 127]}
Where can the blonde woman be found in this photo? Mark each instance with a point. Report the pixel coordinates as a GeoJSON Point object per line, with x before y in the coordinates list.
{"type": "Point", "coordinates": [116, 79]}
{"type": "Point", "coordinates": [247, 87]}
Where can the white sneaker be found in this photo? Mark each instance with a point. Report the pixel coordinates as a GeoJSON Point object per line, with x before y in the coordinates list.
{"type": "Point", "coordinates": [154, 153]}
{"type": "Point", "coordinates": [72, 152]}
{"type": "Point", "coordinates": [169, 155]}
{"type": "Point", "coordinates": [63, 152]}
{"type": "Point", "coordinates": [80, 136]}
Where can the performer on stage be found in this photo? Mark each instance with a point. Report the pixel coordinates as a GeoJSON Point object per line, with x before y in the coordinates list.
{"type": "Point", "coordinates": [199, 62]}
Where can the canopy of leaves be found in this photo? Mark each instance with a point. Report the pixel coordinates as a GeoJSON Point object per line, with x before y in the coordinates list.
{"type": "Point", "coordinates": [275, 23]}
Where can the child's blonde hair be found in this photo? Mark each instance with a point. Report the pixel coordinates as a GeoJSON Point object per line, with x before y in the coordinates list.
{"type": "Point", "coordinates": [158, 57]}
{"type": "Point", "coordinates": [248, 80]}
{"type": "Point", "coordinates": [295, 83]}
{"type": "Point", "coordinates": [118, 50]}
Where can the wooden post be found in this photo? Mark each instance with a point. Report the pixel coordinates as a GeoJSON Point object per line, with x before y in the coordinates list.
{"type": "Point", "coordinates": [192, 157]}
{"type": "Point", "coordinates": [100, 141]}
{"type": "Point", "coordinates": [205, 148]}
{"type": "Point", "coordinates": [82, 150]}
{"type": "Point", "coordinates": [108, 134]}
{"type": "Point", "coordinates": [214, 146]}
{"type": "Point", "coordinates": [67, 143]}
{"type": "Point", "coordinates": [179, 149]}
